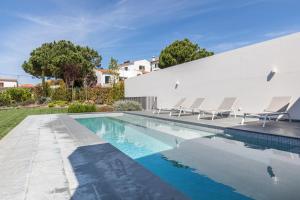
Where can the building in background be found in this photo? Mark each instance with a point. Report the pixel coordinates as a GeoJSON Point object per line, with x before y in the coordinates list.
{"type": "Point", "coordinates": [134, 68]}
{"type": "Point", "coordinates": [154, 63]}
{"type": "Point", "coordinates": [8, 83]}
{"type": "Point", "coordinates": [26, 85]}
{"type": "Point", "coordinates": [130, 69]}
{"type": "Point", "coordinates": [105, 77]}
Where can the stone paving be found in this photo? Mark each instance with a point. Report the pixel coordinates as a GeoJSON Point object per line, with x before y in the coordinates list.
{"type": "Point", "coordinates": [280, 128]}
{"type": "Point", "coordinates": [54, 157]}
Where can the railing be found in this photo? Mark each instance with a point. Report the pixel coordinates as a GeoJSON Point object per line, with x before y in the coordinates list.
{"type": "Point", "coordinates": [148, 103]}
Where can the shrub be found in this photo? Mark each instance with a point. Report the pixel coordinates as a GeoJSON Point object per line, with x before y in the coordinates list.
{"type": "Point", "coordinates": [105, 108]}
{"type": "Point", "coordinates": [124, 105]}
{"type": "Point", "coordinates": [27, 102]}
{"type": "Point", "coordinates": [81, 107]}
{"type": "Point", "coordinates": [60, 103]}
{"type": "Point", "coordinates": [44, 100]}
{"type": "Point", "coordinates": [51, 105]}
{"type": "Point", "coordinates": [19, 95]}
{"type": "Point", "coordinates": [5, 99]}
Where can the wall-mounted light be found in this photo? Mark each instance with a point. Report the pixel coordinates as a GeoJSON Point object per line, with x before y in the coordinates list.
{"type": "Point", "coordinates": [177, 84]}
{"type": "Point", "coordinates": [274, 70]}
{"type": "Point", "coordinates": [272, 73]}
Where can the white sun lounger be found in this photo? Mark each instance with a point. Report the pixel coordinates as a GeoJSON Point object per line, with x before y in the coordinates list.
{"type": "Point", "coordinates": [226, 107]}
{"type": "Point", "coordinates": [277, 107]}
{"type": "Point", "coordinates": [177, 106]}
{"type": "Point", "coordinates": [195, 107]}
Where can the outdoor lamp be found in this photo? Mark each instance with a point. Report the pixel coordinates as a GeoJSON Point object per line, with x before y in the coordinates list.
{"type": "Point", "coordinates": [274, 70]}
{"type": "Point", "coordinates": [177, 84]}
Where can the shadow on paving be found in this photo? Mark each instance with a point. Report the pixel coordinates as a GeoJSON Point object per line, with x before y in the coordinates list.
{"type": "Point", "coordinates": [103, 172]}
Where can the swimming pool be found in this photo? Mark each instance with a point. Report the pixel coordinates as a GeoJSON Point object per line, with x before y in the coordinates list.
{"type": "Point", "coordinates": [204, 163]}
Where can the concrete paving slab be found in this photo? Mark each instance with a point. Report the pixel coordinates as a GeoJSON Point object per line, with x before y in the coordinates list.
{"type": "Point", "coordinates": [54, 157]}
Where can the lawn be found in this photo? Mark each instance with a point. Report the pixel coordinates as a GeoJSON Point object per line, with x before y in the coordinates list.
{"type": "Point", "coordinates": [12, 117]}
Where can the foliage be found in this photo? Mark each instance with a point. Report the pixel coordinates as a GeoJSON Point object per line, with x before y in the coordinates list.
{"type": "Point", "coordinates": [117, 91]}
{"type": "Point", "coordinates": [43, 100]}
{"type": "Point", "coordinates": [16, 96]}
{"type": "Point", "coordinates": [51, 105]}
{"type": "Point", "coordinates": [5, 99]}
{"type": "Point", "coordinates": [105, 108]}
{"type": "Point", "coordinates": [57, 104]}
{"type": "Point", "coordinates": [81, 107]}
{"type": "Point", "coordinates": [181, 51]}
{"type": "Point", "coordinates": [113, 64]}
{"type": "Point", "coordinates": [113, 68]}
{"type": "Point", "coordinates": [125, 105]}
{"type": "Point", "coordinates": [60, 93]}
{"type": "Point", "coordinates": [63, 60]}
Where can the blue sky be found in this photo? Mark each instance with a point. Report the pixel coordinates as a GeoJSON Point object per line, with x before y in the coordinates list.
{"type": "Point", "coordinates": [138, 29]}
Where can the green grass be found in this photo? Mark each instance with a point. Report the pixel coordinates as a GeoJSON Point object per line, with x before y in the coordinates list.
{"type": "Point", "coordinates": [12, 117]}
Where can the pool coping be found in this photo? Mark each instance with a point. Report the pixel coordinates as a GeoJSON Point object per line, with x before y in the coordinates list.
{"type": "Point", "coordinates": [213, 126]}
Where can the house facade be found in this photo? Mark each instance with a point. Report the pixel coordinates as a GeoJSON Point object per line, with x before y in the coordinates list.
{"type": "Point", "coordinates": [8, 83]}
{"type": "Point", "coordinates": [154, 63]}
{"type": "Point", "coordinates": [130, 69]}
{"type": "Point", "coordinates": [105, 78]}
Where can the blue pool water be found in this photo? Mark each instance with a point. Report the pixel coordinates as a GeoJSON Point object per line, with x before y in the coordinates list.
{"type": "Point", "coordinates": [203, 164]}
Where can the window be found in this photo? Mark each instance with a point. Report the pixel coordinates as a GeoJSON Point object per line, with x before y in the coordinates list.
{"type": "Point", "coordinates": [1, 85]}
{"type": "Point", "coordinates": [126, 68]}
{"type": "Point", "coordinates": [107, 79]}
{"type": "Point", "coordinates": [141, 67]}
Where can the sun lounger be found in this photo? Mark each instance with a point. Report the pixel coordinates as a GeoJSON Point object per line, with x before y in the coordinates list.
{"type": "Point", "coordinates": [226, 107]}
{"type": "Point", "coordinates": [277, 108]}
{"type": "Point", "coordinates": [193, 108]}
{"type": "Point", "coordinates": [177, 106]}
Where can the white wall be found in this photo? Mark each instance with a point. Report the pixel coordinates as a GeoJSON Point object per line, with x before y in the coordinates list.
{"type": "Point", "coordinates": [240, 73]}
{"type": "Point", "coordinates": [133, 69]}
{"type": "Point", "coordinates": [8, 84]}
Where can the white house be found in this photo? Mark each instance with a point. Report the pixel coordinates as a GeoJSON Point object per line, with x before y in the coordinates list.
{"type": "Point", "coordinates": [105, 77]}
{"type": "Point", "coordinates": [134, 68]}
{"type": "Point", "coordinates": [8, 83]}
{"type": "Point", "coordinates": [154, 63]}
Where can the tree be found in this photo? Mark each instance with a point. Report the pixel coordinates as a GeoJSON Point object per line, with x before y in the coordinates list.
{"type": "Point", "coordinates": [113, 64]}
{"type": "Point", "coordinates": [113, 67]}
{"type": "Point", "coordinates": [63, 60]}
{"type": "Point", "coordinates": [39, 64]}
{"type": "Point", "coordinates": [181, 51]}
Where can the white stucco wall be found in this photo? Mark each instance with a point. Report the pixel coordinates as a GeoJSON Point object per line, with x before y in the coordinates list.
{"type": "Point", "coordinates": [133, 69]}
{"type": "Point", "coordinates": [240, 73]}
{"type": "Point", "coordinates": [9, 84]}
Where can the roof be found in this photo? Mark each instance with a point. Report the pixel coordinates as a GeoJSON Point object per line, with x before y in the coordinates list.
{"type": "Point", "coordinates": [26, 85]}
{"type": "Point", "coordinates": [105, 71]}
{"type": "Point", "coordinates": [8, 80]}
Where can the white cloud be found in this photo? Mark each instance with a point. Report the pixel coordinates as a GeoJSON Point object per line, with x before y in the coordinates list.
{"type": "Point", "coordinates": [101, 28]}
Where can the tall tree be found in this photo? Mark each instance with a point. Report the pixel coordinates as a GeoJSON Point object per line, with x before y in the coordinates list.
{"type": "Point", "coordinates": [63, 60]}
{"type": "Point", "coordinates": [113, 64]}
{"type": "Point", "coordinates": [113, 67]}
{"type": "Point", "coordinates": [181, 51]}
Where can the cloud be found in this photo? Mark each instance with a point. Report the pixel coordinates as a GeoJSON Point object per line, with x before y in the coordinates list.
{"type": "Point", "coordinates": [103, 27]}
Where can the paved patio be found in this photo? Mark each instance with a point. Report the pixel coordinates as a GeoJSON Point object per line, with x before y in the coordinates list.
{"type": "Point", "coordinates": [280, 128]}
{"type": "Point", "coordinates": [53, 157]}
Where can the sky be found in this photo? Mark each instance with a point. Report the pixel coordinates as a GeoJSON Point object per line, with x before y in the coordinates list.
{"type": "Point", "coordinates": [137, 29]}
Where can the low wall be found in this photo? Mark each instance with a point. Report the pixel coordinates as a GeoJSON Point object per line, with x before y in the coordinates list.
{"type": "Point", "coordinates": [245, 73]}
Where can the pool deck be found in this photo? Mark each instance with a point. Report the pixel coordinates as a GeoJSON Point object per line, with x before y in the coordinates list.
{"type": "Point", "coordinates": [54, 157]}
{"type": "Point", "coordinates": [280, 128]}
